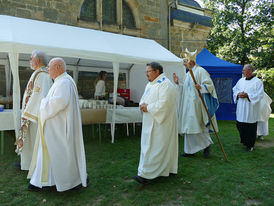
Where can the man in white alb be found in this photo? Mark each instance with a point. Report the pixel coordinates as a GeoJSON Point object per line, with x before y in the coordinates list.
{"type": "Point", "coordinates": [193, 119]}
{"type": "Point", "coordinates": [247, 94]}
{"type": "Point", "coordinates": [159, 139]}
{"type": "Point", "coordinates": [59, 155]}
{"type": "Point", "coordinates": [36, 89]}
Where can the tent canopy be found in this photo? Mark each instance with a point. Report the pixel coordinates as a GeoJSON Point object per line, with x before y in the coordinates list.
{"type": "Point", "coordinates": [224, 75]}
{"type": "Point", "coordinates": [212, 63]}
{"type": "Point", "coordinates": [88, 48]}
{"type": "Point", "coordinates": [24, 35]}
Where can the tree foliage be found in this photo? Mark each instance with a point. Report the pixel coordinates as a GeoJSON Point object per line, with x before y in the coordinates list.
{"type": "Point", "coordinates": [242, 31]}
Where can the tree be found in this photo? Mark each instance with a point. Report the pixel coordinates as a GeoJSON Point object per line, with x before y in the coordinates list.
{"type": "Point", "coordinates": [242, 31]}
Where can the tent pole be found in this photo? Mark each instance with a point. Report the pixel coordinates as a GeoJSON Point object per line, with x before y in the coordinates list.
{"type": "Point", "coordinates": [115, 82]}
{"type": "Point", "coordinates": [13, 57]}
{"type": "Point", "coordinates": [8, 77]}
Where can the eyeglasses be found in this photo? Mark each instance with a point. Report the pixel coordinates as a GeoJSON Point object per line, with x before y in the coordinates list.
{"type": "Point", "coordinates": [149, 71]}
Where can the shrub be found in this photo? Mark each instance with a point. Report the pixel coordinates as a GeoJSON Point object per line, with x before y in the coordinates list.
{"type": "Point", "coordinates": [267, 76]}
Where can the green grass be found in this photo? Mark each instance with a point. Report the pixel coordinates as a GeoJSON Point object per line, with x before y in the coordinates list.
{"type": "Point", "coordinates": [247, 179]}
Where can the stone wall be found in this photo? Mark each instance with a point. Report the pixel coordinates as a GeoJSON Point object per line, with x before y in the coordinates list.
{"type": "Point", "coordinates": [185, 35]}
{"type": "Point", "coordinates": [58, 11]}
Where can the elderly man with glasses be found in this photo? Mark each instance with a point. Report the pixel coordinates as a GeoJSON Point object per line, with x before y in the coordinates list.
{"type": "Point", "coordinates": [159, 140]}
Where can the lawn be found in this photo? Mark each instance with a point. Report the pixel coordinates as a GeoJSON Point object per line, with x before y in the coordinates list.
{"type": "Point", "coordinates": [247, 179]}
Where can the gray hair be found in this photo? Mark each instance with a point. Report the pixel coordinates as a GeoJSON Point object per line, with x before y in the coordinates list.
{"type": "Point", "coordinates": [249, 67]}
{"type": "Point", "coordinates": [41, 56]}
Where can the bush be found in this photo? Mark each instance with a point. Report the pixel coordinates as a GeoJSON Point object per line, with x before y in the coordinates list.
{"type": "Point", "coordinates": [267, 76]}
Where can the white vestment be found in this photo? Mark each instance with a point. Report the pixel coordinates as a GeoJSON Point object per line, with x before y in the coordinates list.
{"type": "Point", "coordinates": [100, 89]}
{"type": "Point", "coordinates": [60, 134]}
{"type": "Point", "coordinates": [159, 139]}
{"type": "Point", "coordinates": [193, 120]}
{"type": "Point", "coordinates": [264, 113]}
{"type": "Point", "coordinates": [40, 83]}
{"type": "Point", "coordinates": [248, 108]}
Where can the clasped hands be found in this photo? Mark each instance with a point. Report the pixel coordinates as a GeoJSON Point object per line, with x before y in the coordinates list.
{"type": "Point", "coordinates": [143, 107]}
{"type": "Point", "coordinates": [242, 95]}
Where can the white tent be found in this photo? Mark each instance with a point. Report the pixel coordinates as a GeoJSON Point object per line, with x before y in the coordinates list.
{"type": "Point", "coordinates": [83, 49]}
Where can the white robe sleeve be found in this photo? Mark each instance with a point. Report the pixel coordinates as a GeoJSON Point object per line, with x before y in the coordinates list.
{"type": "Point", "coordinates": [143, 97]}
{"type": "Point", "coordinates": [236, 91]}
{"type": "Point", "coordinates": [205, 82]}
{"type": "Point", "coordinates": [256, 95]}
{"type": "Point", "coordinates": [160, 109]}
{"type": "Point", "coordinates": [51, 105]}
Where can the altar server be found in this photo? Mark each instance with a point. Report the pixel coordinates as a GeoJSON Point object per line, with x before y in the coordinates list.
{"type": "Point", "coordinates": [247, 93]}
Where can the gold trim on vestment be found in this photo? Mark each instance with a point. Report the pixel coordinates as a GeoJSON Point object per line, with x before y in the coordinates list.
{"type": "Point", "coordinates": [30, 116]}
{"type": "Point", "coordinates": [36, 89]}
{"type": "Point", "coordinates": [45, 156]}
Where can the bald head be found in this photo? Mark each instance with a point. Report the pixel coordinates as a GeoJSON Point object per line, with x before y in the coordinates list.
{"type": "Point", "coordinates": [57, 66]}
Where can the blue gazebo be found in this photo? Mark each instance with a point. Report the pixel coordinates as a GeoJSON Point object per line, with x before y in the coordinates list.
{"type": "Point", "coordinates": [224, 75]}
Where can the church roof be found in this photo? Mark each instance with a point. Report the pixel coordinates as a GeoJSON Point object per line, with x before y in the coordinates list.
{"type": "Point", "coordinates": [189, 3]}
{"type": "Point", "coordinates": [191, 18]}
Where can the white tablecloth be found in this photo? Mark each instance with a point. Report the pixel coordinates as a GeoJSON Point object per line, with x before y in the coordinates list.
{"type": "Point", "coordinates": [6, 120]}
{"type": "Point", "coordinates": [125, 115]}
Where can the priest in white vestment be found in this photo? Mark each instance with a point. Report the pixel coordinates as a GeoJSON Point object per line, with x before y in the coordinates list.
{"type": "Point", "coordinates": [59, 155]}
{"type": "Point", "coordinates": [264, 114]}
{"type": "Point", "coordinates": [36, 89]}
{"type": "Point", "coordinates": [159, 139]}
{"type": "Point", "coordinates": [192, 116]}
{"type": "Point", "coordinates": [247, 94]}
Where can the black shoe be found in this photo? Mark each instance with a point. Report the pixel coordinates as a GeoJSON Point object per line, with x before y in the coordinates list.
{"type": "Point", "coordinates": [141, 180]}
{"type": "Point", "coordinates": [33, 188]}
{"type": "Point", "coordinates": [172, 174]}
{"type": "Point", "coordinates": [78, 187]}
{"type": "Point", "coordinates": [260, 137]}
{"type": "Point", "coordinates": [249, 149]}
{"type": "Point", "coordinates": [17, 165]}
{"type": "Point", "coordinates": [88, 181]}
{"type": "Point", "coordinates": [187, 155]}
{"type": "Point", "coordinates": [207, 152]}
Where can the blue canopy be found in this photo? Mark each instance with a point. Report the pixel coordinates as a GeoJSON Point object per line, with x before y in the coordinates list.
{"type": "Point", "coordinates": [224, 75]}
{"type": "Point", "coordinates": [212, 63]}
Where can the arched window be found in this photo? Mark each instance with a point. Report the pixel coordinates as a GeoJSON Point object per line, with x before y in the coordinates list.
{"type": "Point", "coordinates": [128, 18]}
{"type": "Point", "coordinates": [106, 12]}
{"type": "Point", "coordinates": [109, 12]}
{"type": "Point", "coordinates": [88, 10]}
